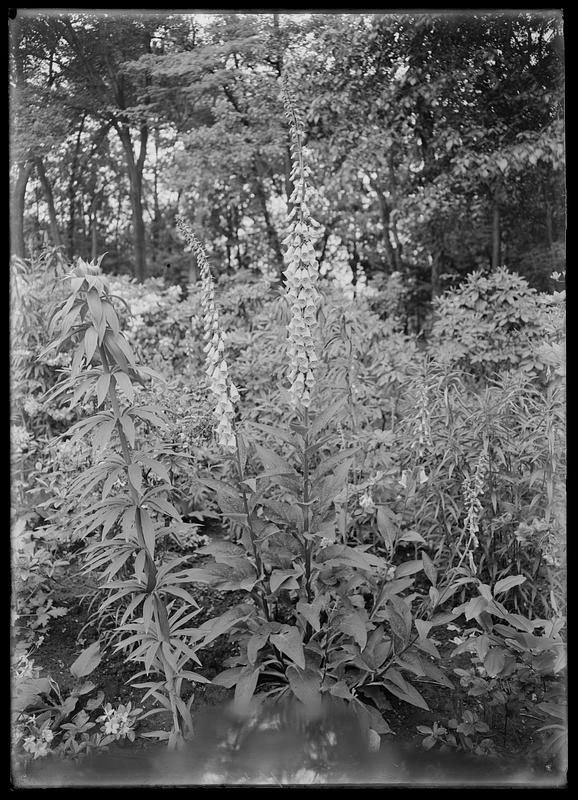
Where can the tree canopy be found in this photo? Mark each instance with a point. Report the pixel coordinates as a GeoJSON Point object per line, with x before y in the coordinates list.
{"type": "Point", "coordinates": [434, 140]}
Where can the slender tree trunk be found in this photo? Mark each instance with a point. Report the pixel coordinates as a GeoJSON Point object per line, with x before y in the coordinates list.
{"type": "Point", "coordinates": [435, 275]}
{"type": "Point", "coordinates": [18, 195]}
{"type": "Point", "coordinates": [272, 234]}
{"type": "Point", "coordinates": [156, 227]}
{"type": "Point", "coordinates": [49, 197]}
{"type": "Point", "coordinates": [72, 192]}
{"type": "Point", "coordinates": [496, 249]}
{"type": "Point", "coordinates": [393, 255]}
{"type": "Point", "coordinates": [496, 230]}
{"type": "Point", "coordinates": [134, 169]}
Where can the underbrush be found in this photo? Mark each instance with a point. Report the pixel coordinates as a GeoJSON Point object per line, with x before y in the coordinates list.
{"type": "Point", "coordinates": [382, 522]}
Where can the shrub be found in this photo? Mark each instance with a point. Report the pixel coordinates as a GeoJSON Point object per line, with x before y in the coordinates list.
{"type": "Point", "coordinates": [496, 321]}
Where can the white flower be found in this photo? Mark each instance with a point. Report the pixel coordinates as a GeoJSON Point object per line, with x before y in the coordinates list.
{"type": "Point", "coordinates": [224, 391]}
{"type": "Point", "coordinates": [116, 722]}
{"type": "Point", "coordinates": [302, 266]}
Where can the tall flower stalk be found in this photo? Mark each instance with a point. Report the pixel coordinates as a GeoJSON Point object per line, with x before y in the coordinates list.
{"type": "Point", "coordinates": [302, 266]}
{"type": "Point", "coordinates": [223, 389]}
{"type": "Point", "coordinates": [473, 488]}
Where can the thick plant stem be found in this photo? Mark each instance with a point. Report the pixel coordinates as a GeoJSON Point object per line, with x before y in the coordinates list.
{"type": "Point", "coordinates": [307, 544]}
{"type": "Point", "coordinates": [252, 534]}
{"type": "Point", "coordinates": [161, 617]}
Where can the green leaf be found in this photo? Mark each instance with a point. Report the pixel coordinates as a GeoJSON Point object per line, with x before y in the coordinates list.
{"type": "Point", "coordinates": [333, 413]}
{"type": "Point", "coordinates": [494, 661]}
{"type": "Point", "coordinates": [395, 683]}
{"type": "Point", "coordinates": [311, 611]}
{"type": "Point", "coordinates": [95, 305]}
{"type": "Point", "coordinates": [387, 527]}
{"type": "Point", "coordinates": [328, 464]}
{"type": "Point", "coordinates": [228, 677]}
{"type": "Point", "coordinates": [355, 625]}
{"type": "Point", "coordinates": [102, 385]}
{"type": "Point", "coordinates": [408, 568]}
{"type": "Point", "coordinates": [429, 568]}
{"type": "Point", "coordinates": [128, 427]}
{"type": "Point", "coordinates": [87, 661]}
{"type": "Point", "coordinates": [508, 583]}
{"type": "Point", "coordinates": [411, 536]}
{"type": "Point", "coordinates": [255, 644]}
{"type": "Point", "coordinates": [135, 476]}
{"type": "Point", "coordinates": [290, 643]}
{"type": "Point", "coordinates": [278, 433]}
{"type": "Point", "coordinates": [125, 385]}
{"type": "Point", "coordinates": [274, 463]}
{"type": "Point", "coordinates": [475, 607]}
{"type": "Point", "coordinates": [90, 343]}
{"type": "Point", "coordinates": [245, 689]}
{"type": "Point", "coordinates": [219, 625]}
{"type": "Point", "coordinates": [285, 578]}
{"type": "Point", "coordinates": [148, 530]}
{"type": "Point", "coordinates": [306, 686]}
{"type": "Point", "coordinates": [369, 717]}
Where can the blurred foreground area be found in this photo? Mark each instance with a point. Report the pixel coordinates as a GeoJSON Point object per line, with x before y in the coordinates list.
{"type": "Point", "coordinates": [278, 744]}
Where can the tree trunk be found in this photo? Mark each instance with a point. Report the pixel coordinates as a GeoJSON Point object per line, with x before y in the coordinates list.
{"type": "Point", "coordinates": [17, 247]}
{"type": "Point", "coordinates": [435, 275]}
{"type": "Point", "coordinates": [496, 233]}
{"type": "Point", "coordinates": [393, 254]}
{"type": "Point", "coordinates": [72, 192]}
{"type": "Point", "coordinates": [49, 197]}
{"type": "Point", "coordinates": [272, 234]}
{"type": "Point", "coordinates": [134, 169]}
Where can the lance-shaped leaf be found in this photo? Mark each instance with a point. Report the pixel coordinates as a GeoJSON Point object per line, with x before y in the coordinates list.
{"type": "Point", "coordinates": [306, 686]}
{"type": "Point", "coordinates": [369, 717]}
{"type": "Point", "coordinates": [220, 625]}
{"type": "Point", "coordinates": [387, 526]}
{"type": "Point", "coordinates": [273, 463]}
{"type": "Point", "coordinates": [508, 583]}
{"type": "Point", "coordinates": [331, 414]}
{"type": "Point", "coordinates": [255, 644]}
{"type": "Point", "coordinates": [290, 643]}
{"type": "Point", "coordinates": [395, 683]}
{"type": "Point", "coordinates": [245, 689]}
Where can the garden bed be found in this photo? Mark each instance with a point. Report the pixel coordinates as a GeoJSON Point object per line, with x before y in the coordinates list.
{"type": "Point", "coordinates": [515, 758]}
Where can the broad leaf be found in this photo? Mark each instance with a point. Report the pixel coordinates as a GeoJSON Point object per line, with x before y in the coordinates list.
{"type": "Point", "coordinates": [87, 661]}
{"type": "Point", "coordinates": [290, 643]}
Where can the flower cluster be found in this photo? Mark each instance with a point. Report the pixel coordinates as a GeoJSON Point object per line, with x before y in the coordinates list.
{"type": "Point", "coordinates": [223, 389]}
{"type": "Point", "coordinates": [118, 722]}
{"type": "Point", "coordinates": [19, 439]}
{"type": "Point", "coordinates": [422, 438]}
{"type": "Point", "coordinates": [39, 744]}
{"type": "Point", "coordinates": [473, 487]}
{"type": "Point", "coordinates": [302, 266]}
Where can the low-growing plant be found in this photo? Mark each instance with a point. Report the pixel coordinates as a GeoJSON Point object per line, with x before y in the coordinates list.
{"type": "Point", "coordinates": [50, 721]}
{"type": "Point", "coordinates": [36, 559]}
{"type": "Point", "coordinates": [512, 663]}
{"type": "Point", "coordinates": [465, 734]}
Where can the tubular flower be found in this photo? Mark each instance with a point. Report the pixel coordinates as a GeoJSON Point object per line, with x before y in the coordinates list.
{"type": "Point", "coordinates": [302, 267]}
{"type": "Point", "coordinates": [223, 389]}
{"type": "Point", "coordinates": [473, 487]}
